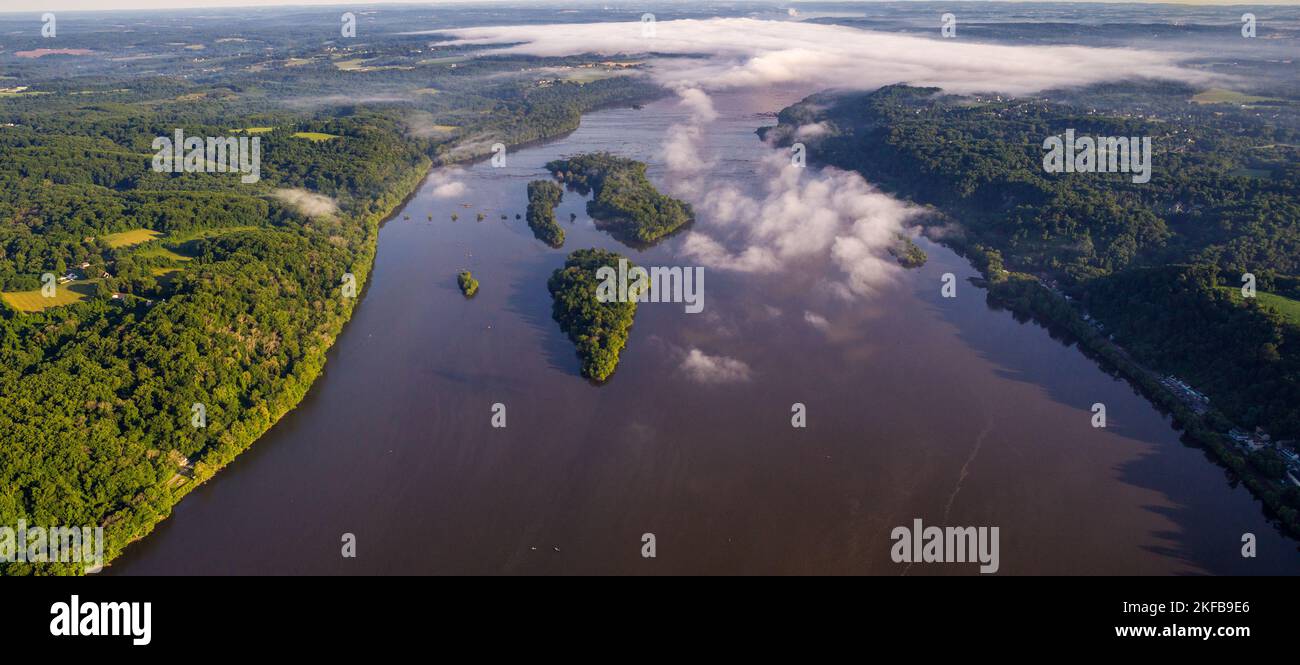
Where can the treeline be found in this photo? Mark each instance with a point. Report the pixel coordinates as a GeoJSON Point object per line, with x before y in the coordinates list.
{"type": "Point", "coordinates": [625, 202]}
{"type": "Point", "coordinates": [97, 415]}
{"type": "Point", "coordinates": [1261, 470]}
{"type": "Point", "coordinates": [1182, 319]}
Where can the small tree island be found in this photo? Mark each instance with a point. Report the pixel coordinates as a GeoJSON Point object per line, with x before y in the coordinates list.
{"type": "Point", "coordinates": [626, 203]}
{"type": "Point", "coordinates": [468, 285]}
{"type": "Point", "coordinates": [543, 196]}
{"type": "Point", "coordinates": [598, 329]}
{"type": "Point", "coordinates": [907, 252]}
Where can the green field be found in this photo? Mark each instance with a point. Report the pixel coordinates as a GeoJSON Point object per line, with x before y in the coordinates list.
{"type": "Point", "coordinates": [315, 137]}
{"type": "Point", "coordinates": [447, 60]}
{"type": "Point", "coordinates": [165, 275]}
{"type": "Point", "coordinates": [350, 65]}
{"type": "Point", "coordinates": [1221, 96]}
{"type": "Point", "coordinates": [160, 250]}
{"type": "Point", "coordinates": [171, 246]}
{"type": "Point", "coordinates": [1288, 308]}
{"type": "Point", "coordinates": [177, 238]}
{"type": "Point", "coordinates": [589, 74]}
{"type": "Point", "coordinates": [65, 294]}
{"type": "Point", "coordinates": [132, 237]}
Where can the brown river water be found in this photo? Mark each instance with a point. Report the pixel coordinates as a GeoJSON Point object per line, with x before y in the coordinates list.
{"type": "Point", "coordinates": [946, 410]}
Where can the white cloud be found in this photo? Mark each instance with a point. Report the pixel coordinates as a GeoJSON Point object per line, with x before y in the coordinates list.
{"type": "Point", "coordinates": [445, 183]}
{"type": "Point", "coordinates": [816, 320]}
{"type": "Point", "coordinates": [809, 214]}
{"type": "Point", "coordinates": [811, 131]}
{"type": "Point", "coordinates": [306, 202]}
{"type": "Point", "coordinates": [743, 52]}
{"type": "Point", "coordinates": [802, 214]}
{"type": "Point", "coordinates": [704, 368]}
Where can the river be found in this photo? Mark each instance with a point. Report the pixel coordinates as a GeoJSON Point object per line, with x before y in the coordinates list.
{"type": "Point", "coordinates": [918, 406]}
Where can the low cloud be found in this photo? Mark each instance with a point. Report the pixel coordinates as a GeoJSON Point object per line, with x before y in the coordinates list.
{"type": "Point", "coordinates": [422, 124]}
{"type": "Point", "coordinates": [307, 203]}
{"type": "Point", "coordinates": [811, 131]}
{"type": "Point", "coordinates": [472, 147]}
{"type": "Point", "coordinates": [704, 368]}
{"type": "Point", "coordinates": [807, 216]}
{"type": "Point", "coordinates": [802, 215]}
{"type": "Point", "coordinates": [743, 52]}
{"type": "Point", "coordinates": [816, 320]}
{"type": "Point", "coordinates": [446, 183]}
{"type": "Point", "coordinates": [345, 100]}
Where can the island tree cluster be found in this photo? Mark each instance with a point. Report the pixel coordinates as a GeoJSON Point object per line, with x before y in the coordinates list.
{"type": "Point", "coordinates": [598, 329]}
{"type": "Point", "coordinates": [625, 202]}
{"type": "Point", "coordinates": [543, 196]}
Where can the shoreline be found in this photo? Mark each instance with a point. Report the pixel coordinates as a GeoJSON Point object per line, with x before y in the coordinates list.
{"type": "Point", "coordinates": [1007, 289]}
{"type": "Point", "coordinates": [212, 460]}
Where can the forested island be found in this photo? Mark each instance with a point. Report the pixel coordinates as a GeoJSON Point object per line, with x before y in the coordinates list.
{"type": "Point", "coordinates": [907, 252]}
{"type": "Point", "coordinates": [187, 294]}
{"type": "Point", "coordinates": [625, 202]}
{"type": "Point", "coordinates": [1147, 275]}
{"type": "Point", "coordinates": [468, 285]}
{"type": "Point", "coordinates": [599, 330]}
{"type": "Point", "coordinates": [543, 196]}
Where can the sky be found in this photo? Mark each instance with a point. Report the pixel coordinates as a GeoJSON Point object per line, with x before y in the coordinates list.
{"type": "Point", "coordinates": [76, 5]}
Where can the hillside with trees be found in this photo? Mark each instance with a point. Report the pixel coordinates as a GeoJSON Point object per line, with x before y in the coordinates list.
{"type": "Point", "coordinates": [195, 288]}
{"type": "Point", "coordinates": [1145, 275]}
{"type": "Point", "coordinates": [1227, 203]}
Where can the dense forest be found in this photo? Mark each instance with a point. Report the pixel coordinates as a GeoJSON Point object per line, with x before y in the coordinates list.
{"type": "Point", "coordinates": [185, 293]}
{"type": "Point", "coordinates": [1227, 200]}
{"type": "Point", "coordinates": [1185, 319]}
{"type": "Point", "coordinates": [598, 329]}
{"type": "Point", "coordinates": [626, 203]}
{"type": "Point", "coordinates": [1215, 196]}
{"type": "Point", "coordinates": [543, 196]}
{"type": "Point", "coordinates": [1147, 276]}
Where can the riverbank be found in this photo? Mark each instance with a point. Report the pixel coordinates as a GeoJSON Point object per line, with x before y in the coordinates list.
{"type": "Point", "coordinates": [150, 510]}
{"type": "Point", "coordinates": [1026, 295]}
{"type": "Point", "coordinates": [920, 406]}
